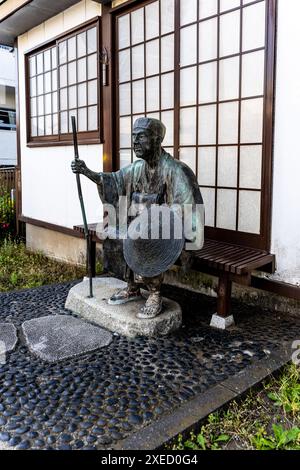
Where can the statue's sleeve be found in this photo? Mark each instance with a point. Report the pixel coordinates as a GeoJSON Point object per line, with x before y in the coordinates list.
{"type": "Point", "coordinates": [186, 194]}
{"type": "Point", "coordinates": [113, 185]}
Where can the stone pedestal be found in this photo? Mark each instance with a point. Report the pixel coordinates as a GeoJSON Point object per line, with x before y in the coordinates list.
{"type": "Point", "coordinates": [120, 318]}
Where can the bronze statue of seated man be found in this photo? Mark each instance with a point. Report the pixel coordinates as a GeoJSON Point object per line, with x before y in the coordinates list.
{"type": "Point", "coordinates": [155, 178]}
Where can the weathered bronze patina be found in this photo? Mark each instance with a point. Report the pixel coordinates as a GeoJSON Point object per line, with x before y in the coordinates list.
{"type": "Point", "coordinates": [155, 178]}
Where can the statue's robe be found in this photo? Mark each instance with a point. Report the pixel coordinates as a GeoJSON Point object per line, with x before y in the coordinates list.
{"type": "Point", "coordinates": [172, 179]}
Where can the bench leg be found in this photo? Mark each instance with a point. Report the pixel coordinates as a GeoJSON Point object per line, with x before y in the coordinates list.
{"type": "Point", "coordinates": [223, 318]}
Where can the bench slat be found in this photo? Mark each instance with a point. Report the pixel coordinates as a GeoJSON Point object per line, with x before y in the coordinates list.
{"type": "Point", "coordinates": [235, 253]}
{"type": "Point", "coordinates": [263, 261]}
{"type": "Point", "coordinates": [247, 257]}
{"type": "Point", "coordinates": [251, 258]}
{"type": "Point", "coordinates": [221, 262]}
{"type": "Point", "coordinates": [215, 252]}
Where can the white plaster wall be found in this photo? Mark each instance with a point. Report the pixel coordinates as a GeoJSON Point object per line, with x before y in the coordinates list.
{"type": "Point", "coordinates": [49, 190]}
{"type": "Point", "coordinates": [8, 147]}
{"type": "Point", "coordinates": [286, 182]}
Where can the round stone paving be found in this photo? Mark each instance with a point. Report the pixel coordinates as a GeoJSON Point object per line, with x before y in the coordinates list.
{"type": "Point", "coordinates": [95, 400]}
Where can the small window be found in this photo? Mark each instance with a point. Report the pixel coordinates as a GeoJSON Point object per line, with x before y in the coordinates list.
{"type": "Point", "coordinates": [63, 81]}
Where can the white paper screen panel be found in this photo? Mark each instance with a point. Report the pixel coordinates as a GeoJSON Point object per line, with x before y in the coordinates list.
{"type": "Point", "coordinates": [188, 128]}
{"type": "Point", "coordinates": [152, 94]}
{"type": "Point", "coordinates": [207, 125]}
{"type": "Point", "coordinates": [188, 86]}
{"type": "Point", "coordinates": [125, 99]}
{"type": "Point", "coordinates": [167, 90]}
{"type": "Point", "coordinates": [226, 208]}
{"type": "Point", "coordinates": [188, 13]}
{"type": "Point", "coordinates": [227, 166]}
{"type": "Point", "coordinates": [229, 79]}
{"type": "Point", "coordinates": [188, 156]}
{"type": "Point", "coordinates": [254, 28]}
{"type": "Point", "coordinates": [152, 20]}
{"type": "Point", "coordinates": [167, 16]}
{"type": "Point", "coordinates": [207, 8]}
{"type": "Point", "coordinates": [249, 211]}
{"type": "Point", "coordinates": [226, 5]}
{"type": "Point", "coordinates": [207, 166]}
{"type": "Point", "coordinates": [124, 65]}
{"type": "Point", "coordinates": [188, 45]}
{"type": "Point", "coordinates": [207, 82]}
{"type": "Point", "coordinates": [250, 166]}
{"type": "Point", "coordinates": [228, 123]}
{"type": "Point", "coordinates": [253, 74]}
{"type": "Point", "coordinates": [230, 33]}
{"type": "Point", "coordinates": [137, 26]}
{"type": "Point", "coordinates": [208, 40]}
{"type": "Point", "coordinates": [124, 31]}
{"type": "Point", "coordinates": [138, 96]}
{"type": "Point", "coordinates": [167, 53]}
{"type": "Point", "coordinates": [152, 57]}
{"type": "Point", "coordinates": [138, 57]}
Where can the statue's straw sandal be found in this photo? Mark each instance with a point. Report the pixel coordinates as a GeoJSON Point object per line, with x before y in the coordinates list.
{"type": "Point", "coordinates": [123, 296]}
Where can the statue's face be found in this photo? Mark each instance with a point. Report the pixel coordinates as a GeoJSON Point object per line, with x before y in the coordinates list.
{"type": "Point", "coordinates": [144, 143]}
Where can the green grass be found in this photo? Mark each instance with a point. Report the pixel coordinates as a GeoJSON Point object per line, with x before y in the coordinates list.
{"type": "Point", "coordinates": [268, 419]}
{"type": "Point", "coordinates": [21, 269]}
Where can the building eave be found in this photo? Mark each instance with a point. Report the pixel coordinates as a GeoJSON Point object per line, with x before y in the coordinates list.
{"type": "Point", "coordinates": [28, 15]}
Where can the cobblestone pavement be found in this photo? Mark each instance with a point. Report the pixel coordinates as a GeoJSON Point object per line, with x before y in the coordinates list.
{"type": "Point", "coordinates": [96, 400]}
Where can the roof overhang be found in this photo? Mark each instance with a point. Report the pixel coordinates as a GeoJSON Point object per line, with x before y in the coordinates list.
{"type": "Point", "coordinates": [31, 14]}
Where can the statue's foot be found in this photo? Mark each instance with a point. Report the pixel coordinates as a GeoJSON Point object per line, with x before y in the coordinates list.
{"type": "Point", "coordinates": [152, 307]}
{"type": "Point", "coordinates": [124, 295]}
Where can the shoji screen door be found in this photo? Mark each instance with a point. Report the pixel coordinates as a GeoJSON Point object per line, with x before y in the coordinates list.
{"type": "Point", "coordinates": [205, 68]}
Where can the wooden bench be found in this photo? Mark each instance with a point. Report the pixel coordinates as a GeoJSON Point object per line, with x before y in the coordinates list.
{"type": "Point", "coordinates": [229, 262]}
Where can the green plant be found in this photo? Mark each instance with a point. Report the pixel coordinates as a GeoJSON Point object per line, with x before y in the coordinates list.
{"type": "Point", "coordinates": [287, 395]}
{"type": "Point", "coordinates": [205, 440]}
{"type": "Point", "coordinates": [21, 269]}
{"type": "Point", "coordinates": [282, 439]}
{"type": "Point", "coordinates": [7, 214]}
{"type": "Point", "coordinates": [99, 267]}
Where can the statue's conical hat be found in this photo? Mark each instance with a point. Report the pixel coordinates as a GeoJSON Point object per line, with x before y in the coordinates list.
{"type": "Point", "coordinates": [160, 243]}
